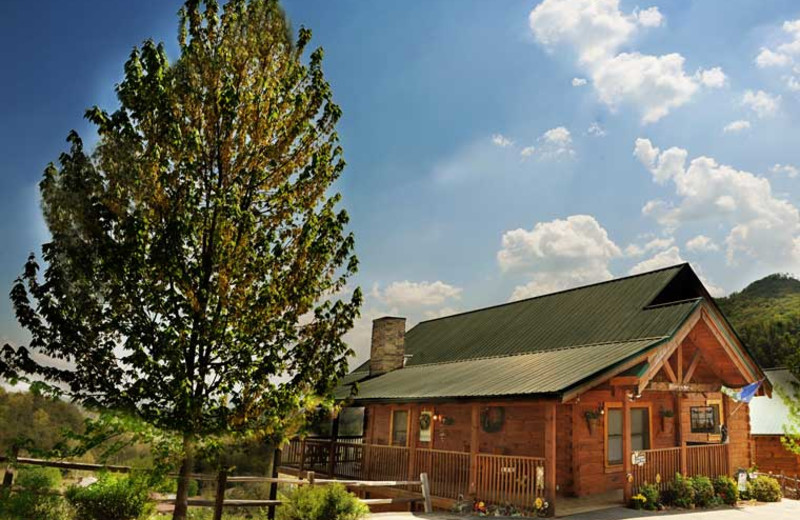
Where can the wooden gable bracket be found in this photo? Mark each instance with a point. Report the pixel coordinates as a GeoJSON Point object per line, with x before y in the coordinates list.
{"type": "Point", "coordinates": [660, 358]}
{"type": "Point", "coordinates": [692, 366]}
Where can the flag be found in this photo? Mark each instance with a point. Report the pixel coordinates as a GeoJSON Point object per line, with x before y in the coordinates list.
{"type": "Point", "coordinates": [746, 393]}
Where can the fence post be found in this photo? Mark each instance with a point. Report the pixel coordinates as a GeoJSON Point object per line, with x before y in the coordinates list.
{"type": "Point", "coordinates": [426, 492]}
{"type": "Point", "coordinates": [310, 477]}
{"type": "Point", "coordinates": [219, 502]}
{"type": "Point", "coordinates": [273, 487]}
{"type": "Point", "coordinates": [8, 477]}
{"type": "Point", "coordinates": [783, 484]}
{"type": "Point", "coordinates": [302, 455]}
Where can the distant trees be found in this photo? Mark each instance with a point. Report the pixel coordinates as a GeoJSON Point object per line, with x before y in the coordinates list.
{"type": "Point", "coordinates": [196, 276]}
{"type": "Point", "coordinates": [35, 422]}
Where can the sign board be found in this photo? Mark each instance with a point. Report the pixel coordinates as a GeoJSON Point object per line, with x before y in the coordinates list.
{"type": "Point", "coordinates": [741, 480]}
{"type": "Point", "coordinates": [638, 458]}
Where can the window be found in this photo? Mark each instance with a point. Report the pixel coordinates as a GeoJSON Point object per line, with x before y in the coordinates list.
{"type": "Point", "coordinates": [640, 432]}
{"type": "Point", "coordinates": [399, 427]}
{"type": "Point", "coordinates": [614, 436]}
{"type": "Point", "coordinates": [705, 419]}
{"type": "Point", "coordinates": [640, 429]}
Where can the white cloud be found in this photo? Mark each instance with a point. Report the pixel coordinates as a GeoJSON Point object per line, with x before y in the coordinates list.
{"type": "Point", "coordinates": [407, 293]}
{"type": "Point", "coordinates": [578, 82]}
{"type": "Point", "coordinates": [786, 169]}
{"type": "Point", "coordinates": [701, 243]}
{"type": "Point", "coordinates": [761, 226]}
{"type": "Point", "coordinates": [712, 78]}
{"type": "Point", "coordinates": [440, 313]}
{"type": "Point", "coordinates": [596, 130]}
{"type": "Point", "coordinates": [502, 141]}
{"type": "Point", "coordinates": [527, 151]}
{"type": "Point", "coordinates": [762, 103]}
{"type": "Point", "coordinates": [556, 142]}
{"type": "Point", "coordinates": [650, 17]}
{"type": "Point", "coordinates": [661, 259]}
{"type": "Point", "coordinates": [558, 254]}
{"type": "Point", "coordinates": [736, 126]}
{"type": "Point", "coordinates": [596, 30]}
{"type": "Point", "coordinates": [769, 58]}
{"type": "Point", "coordinates": [656, 84]}
{"type": "Point", "coordinates": [655, 244]}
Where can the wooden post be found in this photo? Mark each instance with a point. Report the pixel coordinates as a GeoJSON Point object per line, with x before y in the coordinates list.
{"type": "Point", "coordinates": [473, 450]}
{"type": "Point", "coordinates": [426, 492]}
{"type": "Point", "coordinates": [726, 404]}
{"type": "Point", "coordinates": [332, 447]}
{"type": "Point", "coordinates": [273, 487]}
{"type": "Point", "coordinates": [310, 478]}
{"type": "Point", "coordinates": [219, 502]}
{"type": "Point", "coordinates": [413, 437]}
{"type": "Point", "coordinates": [681, 433]}
{"type": "Point", "coordinates": [783, 483]}
{"type": "Point", "coordinates": [8, 477]}
{"type": "Point", "coordinates": [550, 432]}
{"type": "Point", "coordinates": [302, 454]}
{"type": "Point", "coordinates": [627, 466]}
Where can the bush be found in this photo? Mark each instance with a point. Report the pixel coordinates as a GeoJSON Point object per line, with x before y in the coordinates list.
{"type": "Point", "coordinates": [764, 489]}
{"type": "Point", "coordinates": [33, 502]}
{"type": "Point", "coordinates": [726, 489]}
{"type": "Point", "coordinates": [703, 491]}
{"type": "Point", "coordinates": [652, 496]}
{"type": "Point", "coordinates": [681, 492]}
{"type": "Point", "coordinates": [111, 498]}
{"type": "Point", "coordinates": [330, 502]}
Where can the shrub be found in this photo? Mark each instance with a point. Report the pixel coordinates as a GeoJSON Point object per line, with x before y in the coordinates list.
{"type": "Point", "coordinates": [111, 498]}
{"type": "Point", "coordinates": [726, 489]}
{"type": "Point", "coordinates": [681, 492]}
{"type": "Point", "coordinates": [764, 489]}
{"type": "Point", "coordinates": [703, 491]}
{"type": "Point", "coordinates": [331, 502]}
{"type": "Point", "coordinates": [33, 502]}
{"type": "Point", "coordinates": [652, 496]}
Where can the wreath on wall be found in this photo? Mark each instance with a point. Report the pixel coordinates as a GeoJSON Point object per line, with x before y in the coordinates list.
{"type": "Point", "coordinates": [492, 419]}
{"type": "Point", "coordinates": [424, 422]}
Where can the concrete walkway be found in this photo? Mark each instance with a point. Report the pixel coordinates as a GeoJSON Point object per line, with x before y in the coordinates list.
{"type": "Point", "coordinates": [784, 510]}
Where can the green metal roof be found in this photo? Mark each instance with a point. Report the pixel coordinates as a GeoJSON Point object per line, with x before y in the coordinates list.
{"type": "Point", "coordinates": [538, 373]}
{"type": "Point", "coordinates": [540, 345]}
{"type": "Point", "coordinates": [600, 313]}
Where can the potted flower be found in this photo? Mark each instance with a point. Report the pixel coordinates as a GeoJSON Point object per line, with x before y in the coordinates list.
{"type": "Point", "coordinates": [592, 418]}
{"type": "Point", "coordinates": [666, 418]}
{"type": "Point", "coordinates": [540, 507]}
{"type": "Point", "coordinates": [638, 501]}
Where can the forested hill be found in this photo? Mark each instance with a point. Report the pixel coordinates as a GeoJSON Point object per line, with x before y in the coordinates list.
{"type": "Point", "coordinates": [766, 314]}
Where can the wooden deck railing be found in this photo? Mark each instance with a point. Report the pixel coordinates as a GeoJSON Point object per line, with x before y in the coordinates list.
{"type": "Point", "coordinates": [661, 465]}
{"type": "Point", "coordinates": [710, 460]}
{"type": "Point", "coordinates": [448, 471]}
{"type": "Point", "coordinates": [510, 479]}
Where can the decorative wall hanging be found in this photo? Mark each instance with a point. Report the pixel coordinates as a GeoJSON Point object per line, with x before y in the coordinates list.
{"type": "Point", "coordinates": [492, 419]}
{"type": "Point", "coordinates": [425, 426]}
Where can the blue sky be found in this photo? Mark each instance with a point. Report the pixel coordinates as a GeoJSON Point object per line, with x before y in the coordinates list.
{"type": "Point", "coordinates": [496, 149]}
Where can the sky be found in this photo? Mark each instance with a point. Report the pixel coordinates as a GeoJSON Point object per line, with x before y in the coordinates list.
{"type": "Point", "coordinates": [496, 150]}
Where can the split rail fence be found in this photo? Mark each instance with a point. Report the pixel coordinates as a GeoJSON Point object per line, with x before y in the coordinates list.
{"type": "Point", "coordinates": [222, 480]}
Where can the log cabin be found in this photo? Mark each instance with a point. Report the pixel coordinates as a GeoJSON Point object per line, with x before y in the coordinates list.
{"type": "Point", "coordinates": [767, 420]}
{"type": "Point", "coordinates": [588, 391]}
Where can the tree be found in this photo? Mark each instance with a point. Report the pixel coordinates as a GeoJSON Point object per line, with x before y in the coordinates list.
{"type": "Point", "coordinates": [198, 254]}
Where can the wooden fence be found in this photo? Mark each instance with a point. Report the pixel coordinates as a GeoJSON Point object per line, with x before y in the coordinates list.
{"type": "Point", "coordinates": [448, 471]}
{"type": "Point", "coordinates": [222, 480]}
{"type": "Point", "coordinates": [790, 485]}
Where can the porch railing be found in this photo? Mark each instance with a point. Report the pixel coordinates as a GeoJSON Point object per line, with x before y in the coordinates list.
{"type": "Point", "coordinates": [510, 479]}
{"type": "Point", "coordinates": [500, 479]}
{"type": "Point", "coordinates": [662, 464]}
{"type": "Point", "coordinates": [448, 471]}
{"type": "Point", "coordinates": [710, 460]}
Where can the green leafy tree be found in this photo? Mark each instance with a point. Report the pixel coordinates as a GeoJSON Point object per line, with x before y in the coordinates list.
{"type": "Point", "coordinates": [198, 251]}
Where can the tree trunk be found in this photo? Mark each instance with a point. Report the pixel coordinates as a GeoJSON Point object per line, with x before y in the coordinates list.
{"type": "Point", "coordinates": [182, 495]}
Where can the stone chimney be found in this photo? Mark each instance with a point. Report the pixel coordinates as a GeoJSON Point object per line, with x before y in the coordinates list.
{"type": "Point", "coordinates": [388, 345]}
